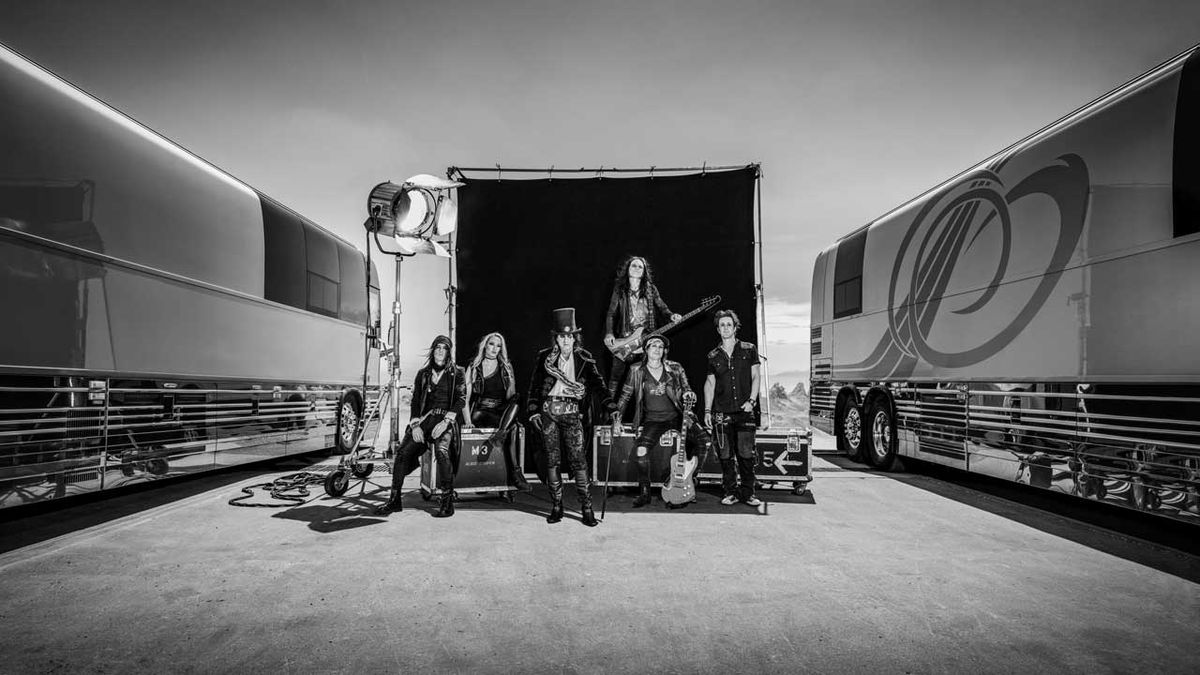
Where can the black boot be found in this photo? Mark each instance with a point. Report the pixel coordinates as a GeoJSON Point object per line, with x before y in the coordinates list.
{"type": "Point", "coordinates": [589, 517]}
{"type": "Point", "coordinates": [643, 497]}
{"type": "Point", "coordinates": [392, 504]}
{"type": "Point", "coordinates": [554, 482]}
{"type": "Point", "coordinates": [446, 509]}
{"type": "Point", "coordinates": [515, 475]}
{"type": "Point", "coordinates": [585, 498]}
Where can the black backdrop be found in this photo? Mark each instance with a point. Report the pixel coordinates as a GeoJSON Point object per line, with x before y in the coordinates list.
{"type": "Point", "coordinates": [526, 247]}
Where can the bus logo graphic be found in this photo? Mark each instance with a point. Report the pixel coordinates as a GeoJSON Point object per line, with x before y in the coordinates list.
{"type": "Point", "coordinates": [942, 232]}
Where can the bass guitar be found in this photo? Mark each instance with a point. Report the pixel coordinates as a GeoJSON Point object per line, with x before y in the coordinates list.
{"type": "Point", "coordinates": [680, 488]}
{"type": "Point", "coordinates": [631, 345]}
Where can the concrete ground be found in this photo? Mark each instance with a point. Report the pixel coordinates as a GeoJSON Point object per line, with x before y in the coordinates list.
{"type": "Point", "coordinates": [866, 573]}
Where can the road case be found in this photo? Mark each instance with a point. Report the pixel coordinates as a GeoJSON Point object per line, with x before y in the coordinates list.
{"type": "Point", "coordinates": [621, 450]}
{"type": "Point", "coordinates": [783, 456]}
{"type": "Point", "coordinates": [480, 469]}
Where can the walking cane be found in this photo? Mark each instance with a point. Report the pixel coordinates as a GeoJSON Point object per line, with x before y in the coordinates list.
{"type": "Point", "coordinates": [607, 469]}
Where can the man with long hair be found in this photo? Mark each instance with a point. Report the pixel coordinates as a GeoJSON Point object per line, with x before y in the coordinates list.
{"type": "Point", "coordinates": [492, 401]}
{"type": "Point", "coordinates": [635, 303]}
{"type": "Point", "coordinates": [565, 379]}
{"type": "Point", "coordinates": [439, 393]}
{"type": "Point", "coordinates": [659, 389]}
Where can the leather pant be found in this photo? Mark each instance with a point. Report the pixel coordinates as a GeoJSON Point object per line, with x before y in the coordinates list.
{"type": "Point", "coordinates": [563, 434]}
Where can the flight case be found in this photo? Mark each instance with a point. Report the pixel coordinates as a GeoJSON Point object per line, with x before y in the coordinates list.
{"type": "Point", "coordinates": [480, 469]}
{"type": "Point", "coordinates": [783, 456]}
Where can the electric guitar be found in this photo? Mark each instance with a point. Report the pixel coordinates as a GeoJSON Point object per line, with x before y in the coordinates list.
{"type": "Point", "coordinates": [680, 488]}
{"type": "Point", "coordinates": [631, 345]}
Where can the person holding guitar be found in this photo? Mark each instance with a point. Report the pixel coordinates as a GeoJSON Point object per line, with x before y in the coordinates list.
{"type": "Point", "coordinates": [662, 400]}
{"type": "Point", "coordinates": [731, 394]}
{"type": "Point", "coordinates": [634, 307]}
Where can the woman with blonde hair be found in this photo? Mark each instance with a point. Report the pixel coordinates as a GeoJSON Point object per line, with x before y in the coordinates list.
{"type": "Point", "coordinates": [492, 401]}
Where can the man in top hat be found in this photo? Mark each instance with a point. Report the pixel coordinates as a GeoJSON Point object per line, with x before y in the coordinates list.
{"type": "Point", "coordinates": [565, 380]}
{"type": "Point", "coordinates": [662, 399]}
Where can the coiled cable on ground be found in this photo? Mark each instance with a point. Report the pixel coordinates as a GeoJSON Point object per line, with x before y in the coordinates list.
{"type": "Point", "coordinates": [291, 489]}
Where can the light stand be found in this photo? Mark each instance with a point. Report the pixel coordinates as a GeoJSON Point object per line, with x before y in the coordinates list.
{"type": "Point", "coordinates": [410, 214]}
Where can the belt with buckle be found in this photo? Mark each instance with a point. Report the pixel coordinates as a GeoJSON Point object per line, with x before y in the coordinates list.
{"type": "Point", "coordinates": [560, 405]}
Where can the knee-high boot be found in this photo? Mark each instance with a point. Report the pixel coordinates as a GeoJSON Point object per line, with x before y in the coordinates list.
{"type": "Point", "coordinates": [554, 482]}
{"type": "Point", "coordinates": [446, 507]}
{"type": "Point", "coordinates": [643, 469]}
{"type": "Point", "coordinates": [515, 475]}
{"type": "Point", "coordinates": [585, 498]}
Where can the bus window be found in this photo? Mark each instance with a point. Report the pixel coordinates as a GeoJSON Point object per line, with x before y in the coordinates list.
{"type": "Point", "coordinates": [324, 271]}
{"type": "Point", "coordinates": [352, 303]}
{"type": "Point", "coordinates": [847, 275]}
{"type": "Point", "coordinates": [283, 239]}
{"type": "Point", "coordinates": [1186, 157]}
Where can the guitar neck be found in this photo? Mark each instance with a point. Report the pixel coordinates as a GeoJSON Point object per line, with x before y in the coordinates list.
{"type": "Point", "coordinates": [683, 318]}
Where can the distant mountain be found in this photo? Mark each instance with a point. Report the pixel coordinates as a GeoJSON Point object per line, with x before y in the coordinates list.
{"type": "Point", "coordinates": [788, 410]}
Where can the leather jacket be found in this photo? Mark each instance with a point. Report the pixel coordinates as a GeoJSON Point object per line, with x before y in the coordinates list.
{"type": "Point", "coordinates": [677, 386]}
{"type": "Point", "coordinates": [616, 322]}
{"type": "Point", "coordinates": [586, 373]}
{"type": "Point", "coordinates": [474, 381]}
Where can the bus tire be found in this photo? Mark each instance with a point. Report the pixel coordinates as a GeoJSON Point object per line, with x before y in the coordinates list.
{"type": "Point", "coordinates": [849, 432]}
{"type": "Point", "coordinates": [348, 412]}
{"type": "Point", "coordinates": [880, 442]}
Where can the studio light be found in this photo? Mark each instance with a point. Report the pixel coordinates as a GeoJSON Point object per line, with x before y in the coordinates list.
{"type": "Point", "coordinates": [413, 213]}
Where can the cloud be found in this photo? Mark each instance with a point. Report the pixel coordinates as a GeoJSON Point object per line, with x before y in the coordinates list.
{"type": "Point", "coordinates": [787, 340]}
{"type": "Point", "coordinates": [787, 322]}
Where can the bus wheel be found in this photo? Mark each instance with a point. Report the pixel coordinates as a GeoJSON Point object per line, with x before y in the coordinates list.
{"type": "Point", "coordinates": [880, 445]}
{"type": "Point", "coordinates": [347, 422]}
{"type": "Point", "coordinates": [362, 470]}
{"type": "Point", "coordinates": [337, 482]}
{"type": "Point", "coordinates": [849, 438]}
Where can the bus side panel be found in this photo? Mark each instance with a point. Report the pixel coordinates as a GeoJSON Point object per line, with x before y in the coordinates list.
{"type": "Point", "coordinates": [1145, 316]}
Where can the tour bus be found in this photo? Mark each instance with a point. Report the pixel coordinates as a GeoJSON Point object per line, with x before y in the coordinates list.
{"type": "Point", "coordinates": [1037, 317]}
{"type": "Point", "coordinates": [160, 317]}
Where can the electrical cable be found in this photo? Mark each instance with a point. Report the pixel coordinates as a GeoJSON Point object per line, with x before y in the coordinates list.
{"type": "Point", "coordinates": [297, 482]}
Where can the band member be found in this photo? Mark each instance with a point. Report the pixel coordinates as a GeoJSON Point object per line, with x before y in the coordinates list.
{"type": "Point", "coordinates": [492, 401]}
{"type": "Point", "coordinates": [439, 393]}
{"type": "Point", "coordinates": [657, 387]}
{"type": "Point", "coordinates": [565, 378]}
{"type": "Point", "coordinates": [731, 392]}
{"type": "Point", "coordinates": [635, 303]}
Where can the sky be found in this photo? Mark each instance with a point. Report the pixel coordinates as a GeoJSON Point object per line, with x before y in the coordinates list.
{"type": "Point", "coordinates": [852, 108]}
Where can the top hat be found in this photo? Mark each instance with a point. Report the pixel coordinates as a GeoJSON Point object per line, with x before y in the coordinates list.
{"type": "Point", "coordinates": [662, 338]}
{"type": "Point", "coordinates": [564, 321]}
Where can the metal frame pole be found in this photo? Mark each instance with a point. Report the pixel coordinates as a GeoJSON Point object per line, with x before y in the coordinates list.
{"type": "Point", "coordinates": [394, 375]}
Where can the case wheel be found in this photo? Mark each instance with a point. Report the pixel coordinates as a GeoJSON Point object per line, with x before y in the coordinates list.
{"type": "Point", "coordinates": [799, 488]}
{"type": "Point", "coordinates": [337, 482]}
